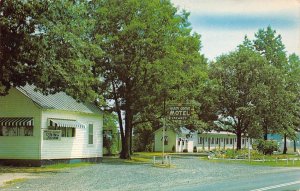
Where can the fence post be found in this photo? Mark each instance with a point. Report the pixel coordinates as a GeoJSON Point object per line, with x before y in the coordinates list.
{"type": "Point", "coordinates": [293, 162]}
{"type": "Point", "coordinates": [153, 159]}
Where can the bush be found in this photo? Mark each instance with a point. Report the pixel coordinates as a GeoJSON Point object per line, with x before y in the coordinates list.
{"type": "Point", "coordinates": [195, 149]}
{"type": "Point", "coordinates": [230, 153]}
{"type": "Point", "coordinates": [173, 149]}
{"type": "Point", "coordinates": [185, 150]}
{"type": "Point", "coordinates": [107, 143]}
{"type": "Point", "coordinates": [267, 147]}
{"type": "Point", "coordinates": [149, 148]}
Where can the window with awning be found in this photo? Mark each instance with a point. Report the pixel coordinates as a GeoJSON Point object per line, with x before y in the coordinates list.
{"type": "Point", "coordinates": [16, 121]}
{"type": "Point", "coordinates": [65, 123]}
{"type": "Point", "coordinates": [16, 126]}
{"type": "Point", "coordinates": [66, 126]}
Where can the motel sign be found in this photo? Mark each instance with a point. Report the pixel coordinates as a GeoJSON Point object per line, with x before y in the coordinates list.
{"type": "Point", "coordinates": [181, 112]}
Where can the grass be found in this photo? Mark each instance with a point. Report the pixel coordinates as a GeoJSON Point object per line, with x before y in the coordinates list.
{"type": "Point", "coordinates": [140, 158]}
{"type": "Point", "coordinates": [135, 159]}
{"type": "Point", "coordinates": [14, 181]}
{"type": "Point", "coordinates": [272, 163]}
{"type": "Point", "coordinates": [49, 168]}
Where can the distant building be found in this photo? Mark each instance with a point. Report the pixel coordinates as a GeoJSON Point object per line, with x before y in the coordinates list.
{"type": "Point", "coordinates": [291, 144]}
{"type": "Point", "coordinates": [187, 140]}
{"type": "Point", "coordinates": [37, 129]}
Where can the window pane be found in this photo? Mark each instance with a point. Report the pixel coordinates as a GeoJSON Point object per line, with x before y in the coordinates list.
{"type": "Point", "coordinates": [91, 130]}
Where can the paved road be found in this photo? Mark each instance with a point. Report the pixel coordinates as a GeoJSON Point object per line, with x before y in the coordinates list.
{"type": "Point", "coordinates": [287, 181]}
{"type": "Point", "coordinates": [190, 174]}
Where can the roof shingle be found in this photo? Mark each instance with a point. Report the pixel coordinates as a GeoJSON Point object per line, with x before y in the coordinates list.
{"type": "Point", "coordinates": [59, 101]}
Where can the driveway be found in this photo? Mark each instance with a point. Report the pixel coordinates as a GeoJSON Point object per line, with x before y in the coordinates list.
{"type": "Point", "coordinates": [190, 173]}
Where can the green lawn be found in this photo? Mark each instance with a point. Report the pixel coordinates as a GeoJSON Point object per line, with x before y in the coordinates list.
{"type": "Point", "coordinates": [50, 168]}
{"type": "Point", "coordinates": [267, 162]}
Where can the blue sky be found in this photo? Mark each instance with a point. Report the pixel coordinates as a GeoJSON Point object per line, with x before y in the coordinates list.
{"type": "Point", "coordinates": [223, 24]}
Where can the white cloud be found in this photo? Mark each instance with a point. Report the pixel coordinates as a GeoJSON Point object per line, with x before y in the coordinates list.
{"type": "Point", "coordinates": [217, 40]}
{"type": "Point", "coordinates": [239, 6]}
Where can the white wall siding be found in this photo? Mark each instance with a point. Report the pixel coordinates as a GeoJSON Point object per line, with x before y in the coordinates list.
{"type": "Point", "coordinates": [73, 147]}
{"type": "Point", "coordinates": [15, 104]}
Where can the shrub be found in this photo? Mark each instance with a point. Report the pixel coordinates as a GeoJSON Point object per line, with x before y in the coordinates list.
{"type": "Point", "coordinates": [185, 150]}
{"type": "Point", "coordinates": [230, 153]}
{"type": "Point", "coordinates": [267, 147]}
{"type": "Point", "coordinates": [107, 143]}
{"type": "Point", "coordinates": [195, 149]}
{"type": "Point", "coordinates": [149, 148]}
{"type": "Point", "coordinates": [173, 149]}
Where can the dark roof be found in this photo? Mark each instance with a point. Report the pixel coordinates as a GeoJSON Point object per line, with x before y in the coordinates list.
{"type": "Point", "coordinates": [59, 101]}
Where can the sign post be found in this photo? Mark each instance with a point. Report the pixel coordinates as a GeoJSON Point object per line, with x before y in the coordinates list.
{"type": "Point", "coordinates": [163, 139]}
{"type": "Point", "coordinates": [176, 112]}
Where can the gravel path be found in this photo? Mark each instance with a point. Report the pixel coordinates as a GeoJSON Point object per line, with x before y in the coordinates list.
{"type": "Point", "coordinates": [109, 176]}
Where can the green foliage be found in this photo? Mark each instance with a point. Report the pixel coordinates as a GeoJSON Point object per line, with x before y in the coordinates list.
{"type": "Point", "coordinates": [270, 45]}
{"type": "Point", "coordinates": [111, 141]}
{"type": "Point", "coordinates": [18, 42]}
{"type": "Point", "coordinates": [184, 150]}
{"type": "Point", "coordinates": [280, 105]}
{"type": "Point", "coordinates": [149, 53]}
{"type": "Point", "coordinates": [143, 137]}
{"type": "Point", "coordinates": [267, 147]}
{"type": "Point", "coordinates": [48, 45]}
{"type": "Point", "coordinates": [255, 89]}
{"type": "Point", "coordinates": [239, 78]}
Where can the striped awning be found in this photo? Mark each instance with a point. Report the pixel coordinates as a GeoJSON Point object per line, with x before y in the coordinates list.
{"type": "Point", "coordinates": [16, 121]}
{"type": "Point", "coordinates": [65, 123]}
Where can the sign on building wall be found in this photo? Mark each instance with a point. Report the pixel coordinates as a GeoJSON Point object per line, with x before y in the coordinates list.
{"type": "Point", "coordinates": [179, 112]}
{"type": "Point", "coordinates": [51, 134]}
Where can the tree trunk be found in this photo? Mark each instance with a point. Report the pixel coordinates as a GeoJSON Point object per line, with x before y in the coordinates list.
{"type": "Point", "coordinates": [295, 148]}
{"type": "Point", "coordinates": [266, 133]}
{"type": "Point", "coordinates": [284, 145]}
{"type": "Point", "coordinates": [131, 140]}
{"type": "Point", "coordinates": [118, 110]}
{"type": "Point", "coordinates": [125, 154]}
{"type": "Point", "coordinates": [238, 138]}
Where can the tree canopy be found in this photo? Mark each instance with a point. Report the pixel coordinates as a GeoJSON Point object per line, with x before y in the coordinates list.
{"type": "Point", "coordinates": [149, 50]}
{"type": "Point", "coordinates": [138, 56]}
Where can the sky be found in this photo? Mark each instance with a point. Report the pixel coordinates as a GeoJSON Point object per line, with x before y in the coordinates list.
{"type": "Point", "coordinates": [223, 24]}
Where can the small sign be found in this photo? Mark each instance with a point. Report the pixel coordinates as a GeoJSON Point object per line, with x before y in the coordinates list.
{"type": "Point", "coordinates": [52, 134]}
{"type": "Point", "coordinates": [179, 112]}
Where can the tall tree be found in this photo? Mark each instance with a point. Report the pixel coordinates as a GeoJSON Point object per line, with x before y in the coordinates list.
{"type": "Point", "coordinates": [147, 45]}
{"type": "Point", "coordinates": [269, 45]}
{"type": "Point", "coordinates": [280, 107]}
{"type": "Point", "coordinates": [18, 20]}
{"type": "Point", "coordinates": [49, 45]}
{"type": "Point", "coordinates": [242, 78]}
